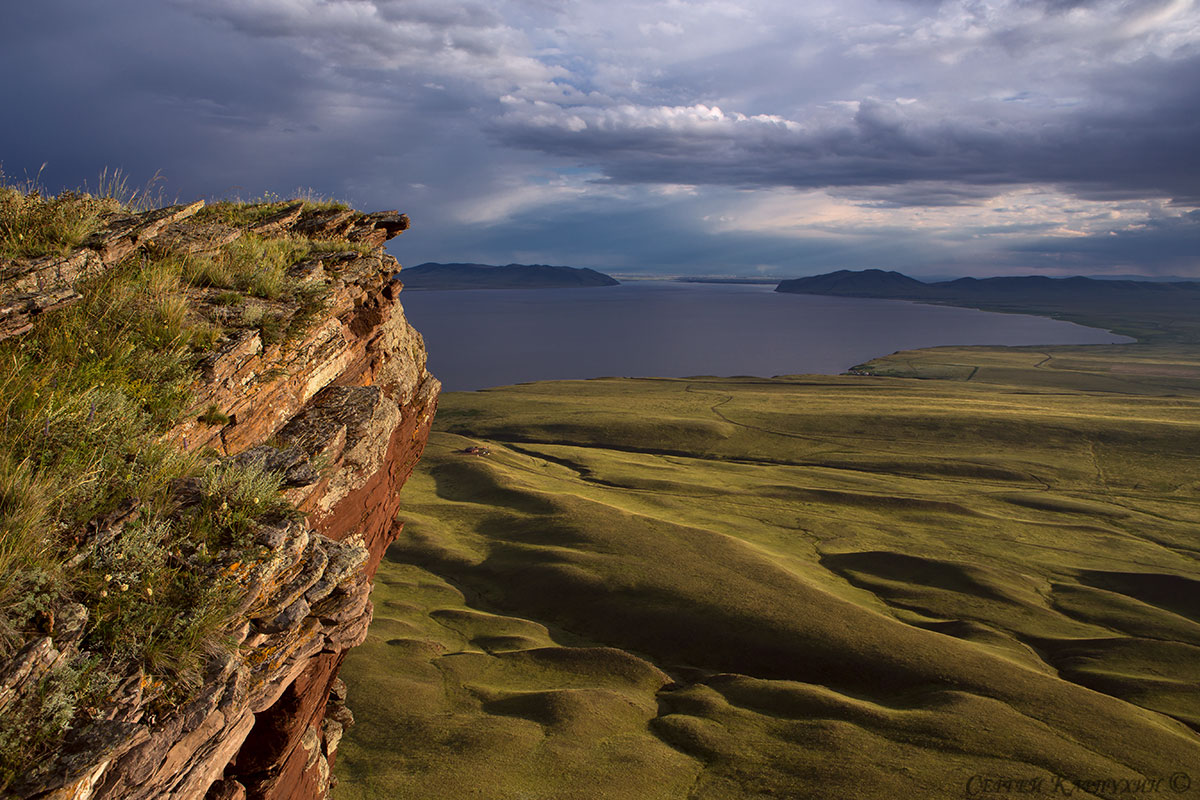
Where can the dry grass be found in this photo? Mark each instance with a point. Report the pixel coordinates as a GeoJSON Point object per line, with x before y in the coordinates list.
{"type": "Point", "coordinates": [35, 223]}
{"type": "Point", "coordinates": [244, 214]}
{"type": "Point", "coordinates": [31, 226]}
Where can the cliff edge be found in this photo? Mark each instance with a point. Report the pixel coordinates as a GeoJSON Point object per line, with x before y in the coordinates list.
{"type": "Point", "coordinates": [281, 399]}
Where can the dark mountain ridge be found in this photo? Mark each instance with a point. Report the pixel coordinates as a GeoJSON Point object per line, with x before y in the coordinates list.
{"type": "Point", "coordinates": [851, 283]}
{"type": "Point", "coordinates": [432, 275]}
{"type": "Point", "coordinates": [1151, 311]}
{"type": "Point", "coordinates": [890, 284]}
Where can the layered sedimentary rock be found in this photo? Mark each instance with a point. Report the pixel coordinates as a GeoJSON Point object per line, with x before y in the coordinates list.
{"type": "Point", "coordinates": [343, 413]}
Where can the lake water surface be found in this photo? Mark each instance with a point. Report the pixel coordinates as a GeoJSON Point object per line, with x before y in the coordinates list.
{"type": "Point", "coordinates": [493, 337]}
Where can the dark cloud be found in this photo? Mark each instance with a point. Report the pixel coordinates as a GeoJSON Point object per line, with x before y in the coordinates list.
{"type": "Point", "coordinates": [439, 14]}
{"type": "Point", "coordinates": [1157, 247]}
{"type": "Point", "coordinates": [917, 193]}
{"type": "Point", "coordinates": [1137, 141]}
{"type": "Point", "coordinates": [527, 125]}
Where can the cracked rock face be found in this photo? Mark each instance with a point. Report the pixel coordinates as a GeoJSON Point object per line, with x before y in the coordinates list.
{"type": "Point", "coordinates": [343, 414]}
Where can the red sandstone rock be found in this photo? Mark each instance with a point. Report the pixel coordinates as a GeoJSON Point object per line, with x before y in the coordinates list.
{"type": "Point", "coordinates": [353, 391]}
{"type": "Point", "coordinates": [125, 234]}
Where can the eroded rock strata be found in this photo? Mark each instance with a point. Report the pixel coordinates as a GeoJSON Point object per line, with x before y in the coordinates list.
{"type": "Point", "coordinates": [343, 413]}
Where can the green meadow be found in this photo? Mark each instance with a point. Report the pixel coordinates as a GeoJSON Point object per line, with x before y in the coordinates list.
{"type": "Point", "coordinates": [968, 563]}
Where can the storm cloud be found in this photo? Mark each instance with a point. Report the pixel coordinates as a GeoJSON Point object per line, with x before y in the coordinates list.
{"type": "Point", "coordinates": [701, 136]}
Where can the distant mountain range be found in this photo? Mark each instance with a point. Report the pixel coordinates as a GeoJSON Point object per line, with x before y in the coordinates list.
{"type": "Point", "coordinates": [431, 275]}
{"type": "Point", "coordinates": [1150, 311]}
{"type": "Point", "coordinates": [887, 284]}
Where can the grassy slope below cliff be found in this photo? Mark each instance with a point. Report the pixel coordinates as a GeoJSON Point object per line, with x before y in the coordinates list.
{"type": "Point", "coordinates": [809, 587]}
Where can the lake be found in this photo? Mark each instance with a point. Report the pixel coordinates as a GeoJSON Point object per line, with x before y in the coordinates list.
{"type": "Point", "coordinates": [478, 338]}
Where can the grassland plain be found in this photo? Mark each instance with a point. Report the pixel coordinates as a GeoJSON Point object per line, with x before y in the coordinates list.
{"type": "Point", "coordinates": [861, 586]}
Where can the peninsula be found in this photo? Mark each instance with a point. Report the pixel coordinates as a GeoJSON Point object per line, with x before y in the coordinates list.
{"type": "Point", "coordinates": [1150, 311]}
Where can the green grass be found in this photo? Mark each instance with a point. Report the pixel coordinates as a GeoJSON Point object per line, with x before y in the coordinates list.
{"type": "Point", "coordinates": [86, 397]}
{"type": "Point", "coordinates": [249, 213]}
{"type": "Point", "coordinates": [34, 223]}
{"type": "Point", "coordinates": [803, 587]}
{"type": "Point", "coordinates": [31, 226]}
{"type": "Point", "coordinates": [258, 267]}
{"type": "Point", "coordinates": [1138, 369]}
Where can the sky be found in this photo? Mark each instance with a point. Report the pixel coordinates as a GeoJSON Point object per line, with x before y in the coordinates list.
{"type": "Point", "coordinates": [684, 137]}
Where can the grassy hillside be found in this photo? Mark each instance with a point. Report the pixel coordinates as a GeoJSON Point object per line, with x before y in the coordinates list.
{"type": "Point", "coordinates": [856, 586]}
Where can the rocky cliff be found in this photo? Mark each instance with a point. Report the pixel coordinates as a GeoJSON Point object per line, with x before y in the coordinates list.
{"type": "Point", "coordinates": [342, 412]}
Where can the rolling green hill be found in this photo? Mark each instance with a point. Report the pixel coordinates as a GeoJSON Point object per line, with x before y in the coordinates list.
{"type": "Point", "coordinates": [811, 587]}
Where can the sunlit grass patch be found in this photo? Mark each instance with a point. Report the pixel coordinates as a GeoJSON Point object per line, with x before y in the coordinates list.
{"type": "Point", "coordinates": [35, 223]}
{"type": "Point", "coordinates": [251, 265]}
{"type": "Point", "coordinates": [151, 605]}
{"type": "Point", "coordinates": [254, 269]}
{"type": "Point", "coordinates": [234, 499]}
{"type": "Point", "coordinates": [31, 225]}
{"type": "Point", "coordinates": [249, 213]}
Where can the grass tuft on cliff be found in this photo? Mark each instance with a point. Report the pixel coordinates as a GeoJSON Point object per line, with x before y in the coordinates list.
{"type": "Point", "coordinates": [86, 399]}
{"type": "Point", "coordinates": [247, 214]}
{"type": "Point", "coordinates": [32, 226]}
